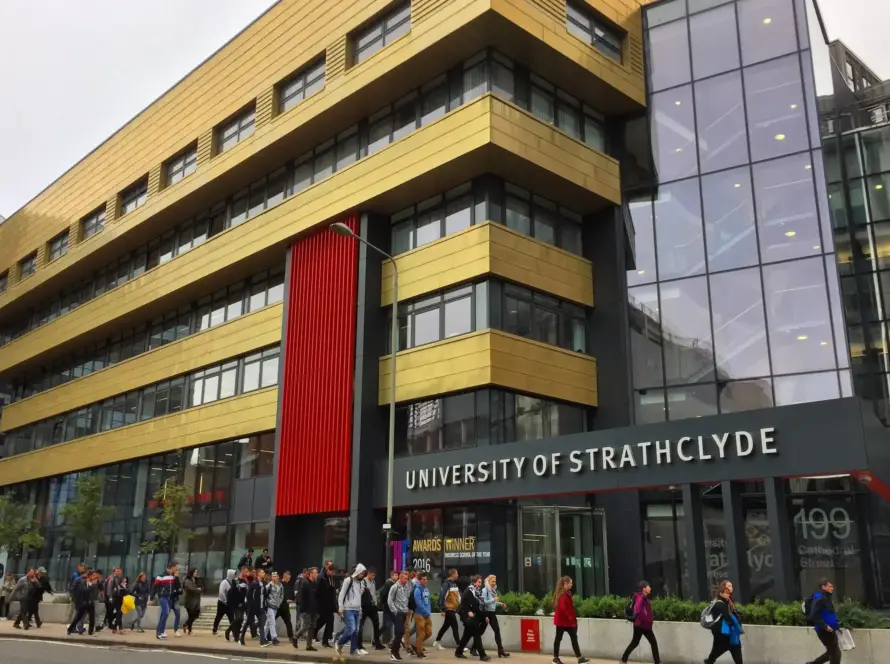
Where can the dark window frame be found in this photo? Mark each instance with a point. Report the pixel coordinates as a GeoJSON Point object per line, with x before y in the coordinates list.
{"type": "Point", "coordinates": [28, 265]}
{"type": "Point", "coordinates": [389, 23]}
{"type": "Point", "coordinates": [134, 196]}
{"type": "Point", "coordinates": [92, 223]}
{"type": "Point", "coordinates": [181, 165]}
{"type": "Point", "coordinates": [302, 84]}
{"type": "Point", "coordinates": [57, 247]}
{"type": "Point", "coordinates": [240, 127]}
{"type": "Point", "coordinates": [609, 41]}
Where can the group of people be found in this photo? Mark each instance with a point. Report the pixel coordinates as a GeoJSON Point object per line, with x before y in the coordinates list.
{"type": "Point", "coordinates": [28, 591]}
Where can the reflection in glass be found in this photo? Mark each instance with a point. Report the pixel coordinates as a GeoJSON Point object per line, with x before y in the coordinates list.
{"type": "Point", "coordinates": [649, 407]}
{"type": "Point", "coordinates": [879, 196]}
{"type": "Point", "coordinates": [786, 209]}
{"type": "Point", "coordinates": [742, 395]}
{"type": "Point", "coordinates": [876, 149]}
{"type": "Point", "coordinates": [673, 134]}
{"type": "Point", "coordinates": [644, 242]}
{"type": "Point", "coordinates": [837, 313]}
{"type": "Point", "coordinates": [686, 331]}
{"type": "Point", "coordinates": [739, 331]}
{"type": "Point", "coordinates": [798, 317]}
{"type": "Point", "coordinates": [668, 55]}
{"type": "Point", "coordinates": [678, 226]}
{"type": "Point", "coordinates": [645, 336]}
{"type": "Point", "coordinates": [729, 220]}
{"type": "Point", "coordinates": [715, 42]}
{"type": "Point", "coordinates": [691, 401]}
{"type": "Point", "coordinates": [776, 117]}
{"type": "Point", "coordinates": [722, 141]}
{"type": "Point", "coordinates": [767, 29]}
{"type": "Point", "coordinates": [806, 388]}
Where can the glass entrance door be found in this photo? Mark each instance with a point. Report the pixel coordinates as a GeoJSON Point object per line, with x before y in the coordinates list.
{"type": "Point", "coordinates": [563, 541]}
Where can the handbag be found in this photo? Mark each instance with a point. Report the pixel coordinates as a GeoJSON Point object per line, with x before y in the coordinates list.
{"type": "Point", "coordinates": [845, 639]}
{"type": "Point", "coordinates": [128, 604]}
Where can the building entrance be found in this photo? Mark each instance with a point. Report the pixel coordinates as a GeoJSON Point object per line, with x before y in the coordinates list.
{"type": "Point", "coordinates": [563, 541]}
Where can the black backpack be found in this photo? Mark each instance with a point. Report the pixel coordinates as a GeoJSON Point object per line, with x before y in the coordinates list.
{"type": "Point", "coordinates": [806, 608]}
{"type": "Point", "coordinates": [629, 612]}
{"type": "Point", "coordinates": [412, 604]}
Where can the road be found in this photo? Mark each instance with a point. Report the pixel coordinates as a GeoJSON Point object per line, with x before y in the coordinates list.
{"type": "Point", "coordinates": [33, 651]}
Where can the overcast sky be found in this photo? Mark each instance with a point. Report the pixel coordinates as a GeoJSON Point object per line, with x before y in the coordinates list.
{"type": "Point", "coordinates": [73, 71]}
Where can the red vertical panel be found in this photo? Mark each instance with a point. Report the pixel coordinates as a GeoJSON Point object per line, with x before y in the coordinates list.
{"type": "Point", "coordinates": [314, 454]}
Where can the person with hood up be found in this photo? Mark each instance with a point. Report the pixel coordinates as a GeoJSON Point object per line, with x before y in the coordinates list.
{"type": "Point", "coordinates": [327, 603]}
{"type": "Point", "coordinates": [6, 591]}
{"type": "Point", "coordinates": [274, 598]}
{"type": "Point", "coordinates": [222, 602]}
{"type": "Point", "coordinates": [825, 623]}
{"type": "Point", "coordinates": [449, 603]}
{"type": "Point", "coordinates": [308, 602]}
{"type": "Point", "coordinates": [490, 603]}
{"type": "Point", "coordinates": [350, 607]}
{"type": "Point", "coordinates": [643, 620]}
{"type": "Point", "coordinates": [727, 629]}
{"type": "Point", "coordinates": [192, 599]}
{"type": "Point", "coordinates": [256, 608]}
{"type": "Point", "coordinates": [41, 588]}
{"type": "Point", "coordinates": [236, 597]}
{"type": "Point", "coordinates": [423, 610]}
{"type": "Point", "coordinates": [141, 592]}
{"type": "Point", "coordinates": [471, 616]}
{"type": "Point", "coordinates": [24, 595]}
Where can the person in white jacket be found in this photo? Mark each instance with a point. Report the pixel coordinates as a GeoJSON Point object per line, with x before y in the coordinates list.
{"type": "Point", "coordinates": [350, 607]}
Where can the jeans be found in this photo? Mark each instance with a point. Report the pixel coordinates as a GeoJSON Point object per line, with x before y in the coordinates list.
{"type": "Point", "coordinates": [495, 627]}
{"type": "Point", "coordinates": [162, 619]}
{"type": "Point", "coordinates": [639, 633]}
{"type": "Point", "coordinates": [326, 620]}
{"type": "Point", "coordinates": [388, 628]}
{"type": "Point", "coordinates": [450, 621]}
{"type": "Point", "coordinates": [260, 618]}
{"type": "Point", "coordinates": [832, 650]}
{"type": "Point", "coordinates": [722, 645]}
{"type": "Point", "coordinates": [177, 618]}
{"type": "Point", "coordinates": [573, 637]}
{"type": "Point", "coordinates": [398, 625]}
{"type": "Point", "coordinates": [271, 631]}
{"type": "Point", "coordinates": [350, 630]}
{"type": "Point", "coordinates": [192, 617]}
{"type": "Point", "coordinates": [140, 614]}
{"type": "Point", "coordinates": [284, 614]}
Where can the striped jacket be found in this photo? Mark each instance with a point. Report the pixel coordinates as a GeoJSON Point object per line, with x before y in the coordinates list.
{"type": "Point", "coordinates": [163, 586]}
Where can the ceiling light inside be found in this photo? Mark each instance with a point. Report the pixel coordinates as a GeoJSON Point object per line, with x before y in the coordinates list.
{"type": "Point", "coordinates": [801, 337]}
{"type": "Point", "coordinates": [790, 233]}
{"type": "Point", "coordinates": [793, 106]}
{"type": "Point", "coordinates": [780, 137]}
{"type": "Point", "coordinates": [767, 20]}
{"type": "Point", "coordinates": [808, 166]}
{"type": "Point", "coordinates": [823, 343]}
{"type": "Point", "coordinates": [816, 247]}
{"type": "Point", "coordinates": [641, 271]}
{"type": "Point", "coordinates": [879, 187]}
{"type": "Point", "coordinates": [677, 103]}
{"type": "Point", "coordinates": [737, 185]}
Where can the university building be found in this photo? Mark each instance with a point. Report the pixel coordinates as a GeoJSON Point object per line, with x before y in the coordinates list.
{"type": "Point", "coordinates": [641, 328]}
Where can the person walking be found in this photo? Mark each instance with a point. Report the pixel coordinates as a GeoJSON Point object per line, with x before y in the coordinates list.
{"type": "Point", "coordinates": [288, 599]}
{"type": "Point", "coordinates": [369, 610]}
{"type": "Point", "coordinates": [471, 616]}
{"type": "Point", "coordinates": [191, 599]}
{"type": "Point", "coordinates": [141, 592]}
{"type": "Point", "coordinates": [84, 598]}
{"type": "Point", "coordinates": [162, 588]}
{"type": "Point", "coordinates": [643, 620]}
{"type": "Point", "coordinates": [397, 600]}
{"type": "Point", "coordinates": [114, 601]}
{"type": "Point", "coordinates": [490, 603]}
{"type": "Point", "coordinates": [308, 603]}
{"type": "Point", "coordinates": [78, 572]}
{"type": "Point", "coordinates": [422, 613]}
{"type": "Point", "coordinates": [825, 622]}
{"type": "Point", "coordinates": [6, 591]}
{"type": "Point", "coordinates": [565, 620]}
{"type": "Point", "coordinates": [388, 628]}
{"type": "Point", "coordinates": [23, 593]}
{"type": "Point", "coordinates": [327, 603]}
{"type": "Point", "coordinates": [236, 599]}
{"type": "Point", "coordinates": [42, 586]}
{"type": "Point", "coordinates": [727, 630]}
{"type": "Point", "coordinates": [274, 599]}
{"type": "Point", "coordinates": [449, 603]}
{"type": "Point", "coordinates": [350, 607]}
{"type": "Point", "coordinates": [256, 607]}
{"type": "Point", "coordinates": [222, 602]}
{"type": "Point", "coordinates": [176, 593]}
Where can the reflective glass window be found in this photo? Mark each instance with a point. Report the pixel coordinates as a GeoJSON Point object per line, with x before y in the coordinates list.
{"type": "Point", "coordinates": [730, 232]}
{"type": "Point", "coordinates": [691, 401]}
{"type": "Point", "coordinates": [644, 242]}
{"type": "Point", "coordinates": [806, 388]}
{"type": "Point", "coordinates": [722, 138]}
{"type": "Point", "coordinates": [767, 29]}
{"type": "Point", "coordinates": [740, 346]}
{"type": "Point", "coordinates": [740, 395]}
{"type": "Point", "coordinates": [715, 42]}
{"type": "Point", "coordinates": [686, 331]}
{"type": "Point", "coordinates": [776, 116]}
{"type": "Point", "coordinates": [646, 339]}
{"type": "Point", "coordinates": [678, 229]}
{"type": "Point", "coordinates": [668, 55]}
{"type": "Point", "coordinates": [673, 134]}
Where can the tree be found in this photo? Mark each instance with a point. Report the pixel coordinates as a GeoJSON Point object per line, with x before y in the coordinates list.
{"type": "Point", "coordinates": [170, 525]}
{"type": "Point", "coordinates": [18, 528]}
{"type": "Point", "coordinates": [85, 514]}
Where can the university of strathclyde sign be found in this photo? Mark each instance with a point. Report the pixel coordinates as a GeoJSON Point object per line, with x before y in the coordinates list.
{"type": "Point", "coordinates": [725, 446]}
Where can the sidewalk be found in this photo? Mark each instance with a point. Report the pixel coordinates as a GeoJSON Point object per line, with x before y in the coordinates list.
{"type": "Point", "coordinates": [204, 642]}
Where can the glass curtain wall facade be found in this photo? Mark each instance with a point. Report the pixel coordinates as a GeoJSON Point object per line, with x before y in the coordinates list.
{"type": "Point", "coordinates": [735, 301]}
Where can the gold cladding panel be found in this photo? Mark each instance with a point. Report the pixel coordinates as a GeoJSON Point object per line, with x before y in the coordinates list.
{"type": "Point", "coordinates": [222, 420]}
{"type": "Point", "coordinates": [239, 336]}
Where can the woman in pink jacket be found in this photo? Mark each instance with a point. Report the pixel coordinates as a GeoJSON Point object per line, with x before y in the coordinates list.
{"type": "Point", "coordinates": [643, 620]}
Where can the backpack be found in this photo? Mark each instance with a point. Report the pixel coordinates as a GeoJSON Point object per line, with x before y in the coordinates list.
{"type": "Point", "coordinates": [412, 603]}
{"type": "Point", "coordinates": [707, 618]}
{"type": "Point", "coordinates": [806, 607]}
{"type": "Point", "coordinates": [629, 612]}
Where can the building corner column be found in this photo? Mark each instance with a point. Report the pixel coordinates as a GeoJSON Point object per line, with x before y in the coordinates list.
{"type": "Point", "coordinates": [780, 528]}
{"type": "Point", "coordinates": [736, 541]}
{"type": "Point", "coordinates": [695, 543]}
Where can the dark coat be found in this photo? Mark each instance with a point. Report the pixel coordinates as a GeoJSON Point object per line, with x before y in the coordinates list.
{"type": "Point", "coordinates": [192, 601]}
{"type": "Point", "coordinates": [327, 593]}
{"type": "Point", "coordinates": [141, 592]}
{"type": "Point", "coordinates": [82, 593]}
{"type": "Point", "coordinates": [470, 603]}
{"type": "Point", "coordinates": [308, 598]}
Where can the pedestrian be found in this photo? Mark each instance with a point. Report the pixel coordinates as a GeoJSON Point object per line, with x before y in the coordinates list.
{"type": "Point", "coordinates": [825, 622]}
{"type": "Point", "coordinates": [288, 600]}
{"type": "Point", "coordinates": [327, 603]}
{"type": "Point", "coordinates": [41, 587]}
{"type": "Point", "coordinates": [308, 601]}
{"type": "Point", "coordinates": [471, 616]}
{"type": "Point", "coordinates": [84, 597]}
{"type": "Point", "coordinates": [422, 613]}
{"type": "Point", "coordinates": [246, 559]}
{"type": "Point", "coordinates": [222, 602]}
{"type": "Point", "coordinates": [6, 591]}
{"type": "Point", "coordinates": [642, 622]}
{"type": "Point", "coordinates": [236, 599]}
{"type": "Point", "coordinates": [113, 601]}
{"type": "Point", "coordinates": [256, 607]}
{"type": "Point", "coordinates": [369, 610]}
{"type": "Point", "coordinates": [490, 603]}
{"type": "Point", "coordinates": [449, 603]}
{"type": "Point", "coordinates": [727, 630]}
{"type": "Point", "coordinates": [163, 590]}
{"type": "Point", "coordinates": [78, 572]}
{"type": "Point", "coordinates": [191, 599]}
{"type": "Point", "coordinates": [388, 628]}
{"type": "Point", "coordinates": [410, 626]}
{"type": "Point", "coordinates": [274, 599]}
{"type": "Point", "coordinates": [176, 593]}
{"type": "Point", "coordinates": [565, 620]}
{"type": "Point", "coordinates": [350, 607]}
{"type": "Point", "coordinates": [298, 591]}
{"type": "Point", "coordinates": [397, 599]}
{"type": "Point", "coordinates": [264, 562]}
{"type": "Point", "coordinates": [24, 594]}
{"type": "Point", "coordinates": [141, 592]}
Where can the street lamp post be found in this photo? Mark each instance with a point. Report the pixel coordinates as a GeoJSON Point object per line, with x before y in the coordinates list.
{"type": "Point", "coordinates": [344, 230]}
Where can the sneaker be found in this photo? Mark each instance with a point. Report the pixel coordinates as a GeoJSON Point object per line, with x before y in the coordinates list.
{"type": "Point", "coordinates": [438, 646]}
{"type": "Point", "coordinates": [421, 655]}
{"type": "Point", "coordinates": [339, 650]}
{"type": "Point", "coordinates": [459, 655]}
{"type": "Point", "coordinates": [177, 633]}
{"type": "Point", "coordinates": [362, 651]}
{"type": "Point", "coordinates": [557, 660]}
{"type": "Point", "coordinates": [276, 642]}
{"type": "Point", "coordinates": [395, 658]}
{"type": "Point", "coordinates": [140, 630]}
{"type": "Point", "coordinates": [311, 649]}
{"type": "Point", "coordinates": [215, 634]}
{"type": "Point", "coordinates": [501, 653]}
{"type": "Point", "coordinates": [161, 636]}
{"type": "Point", "coordinates": [266, 644]}
{"type": "Point", "coordinates": [486, 658]}
{"type": "Point", "coordinates": [583, 660]}
{"type": "Point", "coordinates": [325, 644]}
{"type": "Point", "coordinates": [380, 646]}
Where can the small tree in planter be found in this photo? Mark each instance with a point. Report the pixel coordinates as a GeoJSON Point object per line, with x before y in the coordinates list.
{"type": "Point", "coordinates": [18, 528]}
{"type": "Point", "coordinates": [170, 525]}
{"type": "Point", "coordinates": [85, 514]}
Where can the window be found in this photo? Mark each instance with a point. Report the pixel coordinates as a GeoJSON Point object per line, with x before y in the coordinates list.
{"type": "Point", "coordinates": [541, 317]}
{"type": "Point", "coordinates": [303, 84]}
{"type": "Point", "coordinates": [235, 130]}
{"type": "Point", "coordinates": [28, 266]}
{"type": "Point", "coordinates": [58, 246]}
{"type": "Point", "coordinates": [4, 282]}
{"type": "Point", "coordinates": [134, 197]}
{"type": "Point", "coordinates": [183, 165]}
{"type": "Point", "coordinates": [93, 223]}
{"type": "Point", "coordinates": [440, 316]}
{"type": "Point", "coordinates": [582, 23]}
{"type": "Point", "coordinates": [255, 455]}
{"type": "Point", "coordinates": [562, 110]}
{"type": "Point", "coordinates": [383, 31]}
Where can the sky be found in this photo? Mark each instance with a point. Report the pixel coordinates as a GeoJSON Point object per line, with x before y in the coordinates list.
{"type": "Point", "coordinates": [73, 72]}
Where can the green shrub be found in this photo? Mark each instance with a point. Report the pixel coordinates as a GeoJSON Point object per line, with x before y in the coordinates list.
{"type": "Point", "coordinates": [853, 615]}
{"type": "Point", "coordinates": [790, 615]}
{"type": "Point", "coordinates": [521, 604]}
{"type": "Point", "coordinates": [605, 606]}
{"type": "Point", "coordinates": [756, 614]}
{"type": "Point", "coordinates": [675, 609]}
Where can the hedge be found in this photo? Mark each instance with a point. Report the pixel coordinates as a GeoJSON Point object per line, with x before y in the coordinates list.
{"type": "Point", "coordinates": [768, 612]}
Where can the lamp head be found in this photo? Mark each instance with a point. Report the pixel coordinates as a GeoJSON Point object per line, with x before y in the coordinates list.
{"type": "Point", "coordinates": [342, 229]}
